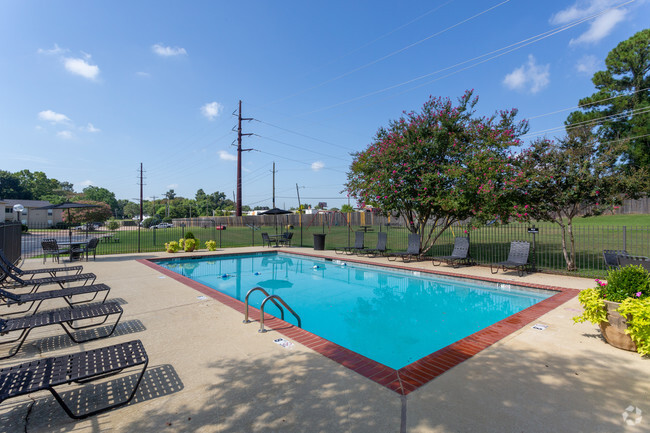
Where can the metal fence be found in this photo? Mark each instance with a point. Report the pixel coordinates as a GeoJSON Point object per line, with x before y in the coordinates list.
{"type": "Point", "coordinates": [487, 244]}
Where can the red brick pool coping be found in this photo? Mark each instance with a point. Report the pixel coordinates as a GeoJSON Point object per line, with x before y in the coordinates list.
{"type": "Point", "coordinates": [411, 377]}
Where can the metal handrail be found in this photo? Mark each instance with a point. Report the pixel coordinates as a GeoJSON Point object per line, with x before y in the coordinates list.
{"type": "Point", "coordinates": [272, 298]}
{"type": "Point", "coordinates": [255, 289]}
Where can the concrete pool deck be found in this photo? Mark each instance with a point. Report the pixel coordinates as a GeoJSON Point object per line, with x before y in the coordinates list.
{"type": "Point", "coordinates": [208, 372]}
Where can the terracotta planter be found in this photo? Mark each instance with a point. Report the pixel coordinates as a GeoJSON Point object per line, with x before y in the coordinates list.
{"type": "Point", "coordinates": [614, 329]}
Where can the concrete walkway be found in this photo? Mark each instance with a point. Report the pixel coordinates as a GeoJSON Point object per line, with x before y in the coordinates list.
{"type": "Point", "coordinates": [210, 373]}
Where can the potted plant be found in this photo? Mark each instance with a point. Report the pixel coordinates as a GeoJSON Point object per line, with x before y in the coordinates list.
{"type": "Point", "coordinates": [190, 244]}
{"type": "Point", "coordinates": [211, 245]}
{"type": "Point", "coordinates": [621, 308]}
{"type": "Point", "coordinates": [172, 246]}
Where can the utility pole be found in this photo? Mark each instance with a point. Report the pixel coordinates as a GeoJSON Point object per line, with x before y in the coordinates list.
{"type": "Point", "coordinates": [153, 207]}
{"type": "Point", "coordinates": [273, 184]}
{"type": "Point", "coordinates": [239, 151]}
{"type": "Point", "coordinates": [141, 195]}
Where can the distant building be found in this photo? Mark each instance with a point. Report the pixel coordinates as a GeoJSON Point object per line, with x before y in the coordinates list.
{"type": "Point", "coordinates": [30, 216]}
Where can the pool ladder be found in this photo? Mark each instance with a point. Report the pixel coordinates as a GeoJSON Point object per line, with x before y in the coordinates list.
{"type": "Point", "coordinates": [273, 298]}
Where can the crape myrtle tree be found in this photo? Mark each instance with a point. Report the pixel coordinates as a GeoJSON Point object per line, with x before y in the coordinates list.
{"type": "Point", "coordinates": [575, 176]}
{"type": "Point", "coordinates": [440, 166]}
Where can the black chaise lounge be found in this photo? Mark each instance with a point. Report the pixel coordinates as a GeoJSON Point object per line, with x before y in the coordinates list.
{"type": "Point", "coordinates": [358, 245]}
{"type": "Point", "coordinates": [626, 259]}
{"type": "Point", "coordinates": [412, 250]}
{"type": "Point", "coordinates": [77, 368]}
{"type": "Point", "coordinates": [460, 254]}
{"type": "Point", "coordinates": [32, 272]}
{"type": "Point", "coordinates": [517, 259]}
{"type": "Point", "coordinates": [35, 283]}
{"type": "Point", "coordinates": [611, 258]}
{"type": "Point", "coordinates": [15, 330]}
{"type": "Point", "coordinates": [380, 249]}
{"type": "Point", "coordinates": [8, 299]}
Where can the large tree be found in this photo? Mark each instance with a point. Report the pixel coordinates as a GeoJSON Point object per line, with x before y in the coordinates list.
{"type": "Point", "coordinates": [440, 166]}
{"type": "Point", "coordinates": [576, 176]}
{"type": "Point", "coordinates": [620, 108]}
{"type": "Point", "coordinates": [95, 193]}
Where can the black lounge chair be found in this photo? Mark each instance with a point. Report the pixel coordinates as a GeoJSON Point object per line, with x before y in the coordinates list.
{"type": "Point", "coordinates": [51, 247]}
{"type": "Point", "coordinates": [517, 259]}
{"type": "Point", "coordinates": [611, 258]}
{"type": "Point", "coordinates": [380, 249]}
{"type": "Point", "coordinates": [412, 250]}
{"type": "Point", "coordinates": [66, 317]}
{"type": "Point", "coordinates": [91, 246]}
{"type": "Point", "coordinates": [358, 245]}
{"type": "Point", "coordinates": [460, 254]}
{"type": "Point", "coordinates": [77, 368]}
{"type": "Point", "coordinates": [27, 272]}
{"type": "Point", "coordinates": [35, 283]}
{"type": "Point", "coordinates": [9, 299]}
{"type": "Point", "coordinates": [626, 259]}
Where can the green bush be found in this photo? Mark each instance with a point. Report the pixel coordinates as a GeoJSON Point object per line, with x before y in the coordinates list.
{"type": "Point", "coordinates": [189, 235]}
{"type": "Point", "coordinates": [113, 225]}
{"type": "Point", "coordinates": [211, 245]}
{"type": "Point", "coordinates": [627, 282]}
{"type": "Point", "coordinates": [190, 244]}
{"type": "Point", "coordinates": [172, 246]}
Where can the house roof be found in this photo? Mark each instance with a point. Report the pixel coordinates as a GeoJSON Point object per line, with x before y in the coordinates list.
{"type": "Point", "coordinates": [27, 203]}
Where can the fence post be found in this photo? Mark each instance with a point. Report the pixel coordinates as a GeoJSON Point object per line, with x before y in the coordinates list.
{"type": "Point", "coordinates": [625, 238]}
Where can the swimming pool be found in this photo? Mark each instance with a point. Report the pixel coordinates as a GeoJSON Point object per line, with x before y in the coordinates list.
{"type": "Point", "coordinates": [394, 317]}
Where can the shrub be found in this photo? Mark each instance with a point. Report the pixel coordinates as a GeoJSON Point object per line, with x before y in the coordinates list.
{"type": "Point", "coordinates": [172, 246]}
{"type": "Point", "coordinates": [113, 225]}
{"type": "Point", "coordinates": [190, 235]}
{"type": "Point", "coordinates": [211, 245]}
{"type": "Point", "coordinates": [189, 245]}
{"type": "Point", "coordinates": [631, 281]}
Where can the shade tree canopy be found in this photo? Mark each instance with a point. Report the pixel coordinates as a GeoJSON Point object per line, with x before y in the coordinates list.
{"type": "Point", "coordinates": [441, 165]}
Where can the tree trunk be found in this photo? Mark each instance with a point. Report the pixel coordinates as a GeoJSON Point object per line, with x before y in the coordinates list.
{"type": "Point", "coordinates": [571, 262]}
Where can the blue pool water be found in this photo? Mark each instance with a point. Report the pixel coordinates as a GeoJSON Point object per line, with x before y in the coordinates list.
{"type": "Point", "coordinates": [394, 317]}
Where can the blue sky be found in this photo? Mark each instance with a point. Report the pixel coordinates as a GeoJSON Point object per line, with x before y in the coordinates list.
{"type": "Point", "coordinates": [89, 90]}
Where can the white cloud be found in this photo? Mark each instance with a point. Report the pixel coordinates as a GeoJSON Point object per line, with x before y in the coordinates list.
{"type": "Point", "coordinates": [164, 51]}
{"type": "Point", "coordinates": [55, 50]}
{"type": "Point", "coordinates": [143, 74]}
{"type": "Point", "coordinates": [227, 156]}
{"type": "Point", "coordinates": [318, 165]}
{"type": "Point", "coordinates": [587, 64]}
{"type": "Point", "coordinates": [66, 135]}
{"type": "Point", "coordinates": [599, 27]}
{"type": "Point", "coordinates": [86, 183]}
{"type": "Point", "coordinates": [81, 67]}
{"type": "Point", "coordinates": [211, 110]}
{"type": "Point", "coordinates": [172, 186]}
{"type": "Point", "coordinates": [53, 117]}
{"type": "Point", "coordinates": [91, 128]}
{"type": "Point", "coordinates": [528, 77]}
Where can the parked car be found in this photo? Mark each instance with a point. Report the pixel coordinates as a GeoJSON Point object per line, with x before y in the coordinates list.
{"type": "Point", "coordinates": [88, 227]}
{"type": "Point", "coordinates": [163, 226]}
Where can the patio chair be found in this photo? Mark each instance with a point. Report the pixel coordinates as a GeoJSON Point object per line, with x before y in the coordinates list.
{"type": "Point", "coordinates": [380, 249]}
{"type": "Point", "coordinates": [36, 283]}
{"type": "Point", "coordinates": [9, 299]}
{"type": "Point", "coordinates": [460, 254]}
{"type": "Point", "coordinates": [626, 259]}
{"type": "Point", "coordinates": [266, 240]}
{"type": "Point", "coordinates": [611, 258]}
{"type": "Point", "coordinates": [91, 246]}
{"type": "Point", "coordinates": [25, 272]}
{"type": "Point", "coordinates": [517, 259]}
{"type": "Point", "coordinates": [51, 247]}
{"type": "Point", "coordinates": [412, 249]}
{"type": "Point", "coordinates": [358, 245]}
{"type": "Point", "coordinates": [66, 317]}
{"type": "Point", "coordinates": [286, 238]}
{"type": "Point", "coordinates": [77, 368]}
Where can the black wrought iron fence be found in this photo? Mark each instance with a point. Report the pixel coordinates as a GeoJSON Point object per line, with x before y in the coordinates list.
{"type": "Point", "coordinates": [10, 240]}
{"type": "Point", "coordinates": [487, 244]}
